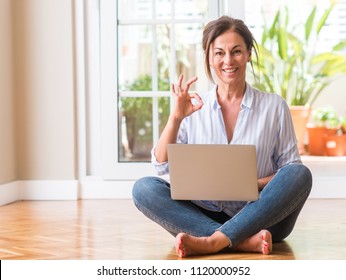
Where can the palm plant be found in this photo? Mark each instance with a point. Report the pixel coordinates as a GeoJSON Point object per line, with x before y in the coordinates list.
{"type": "Point", "coordinates": [290, 65]}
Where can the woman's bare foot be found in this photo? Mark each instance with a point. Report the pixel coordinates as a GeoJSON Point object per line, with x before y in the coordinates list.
{"type": "Point", "coordinates": [187, 245]}
{"type": "Point", "coordinates": [261, 242]}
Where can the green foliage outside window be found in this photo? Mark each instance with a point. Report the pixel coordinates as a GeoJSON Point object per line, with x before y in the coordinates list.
{"type": "Point", "coordinates": [138, 111]}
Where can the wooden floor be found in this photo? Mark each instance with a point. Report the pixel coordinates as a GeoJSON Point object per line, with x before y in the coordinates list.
{"type": "Point", "coordinates": [114, 229]}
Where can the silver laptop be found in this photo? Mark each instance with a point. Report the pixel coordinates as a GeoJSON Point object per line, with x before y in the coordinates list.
{"type": "Point", "coordinates": [213, 172]}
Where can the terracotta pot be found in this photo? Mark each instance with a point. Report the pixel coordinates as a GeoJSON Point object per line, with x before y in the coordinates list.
{"type": "Point", "coordinates": [317, 139]}
{"type": "Point", "coordinates": [336, 145]}
{"type": "Point", "coordinates": [316, 144]}
{"type": "Point", "coordinates": [300, 116]}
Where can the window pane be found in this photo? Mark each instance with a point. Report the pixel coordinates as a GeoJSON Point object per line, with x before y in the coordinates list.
{"type": "Point", "coordinates": [189, 54]}
{"type": "Point", "coordinates": [163, 50]}
{"type": "Point", "coordinates": [163, 9]}
{"type": "Point", "coordinates": [135, 129]}
{"type": "Point", "coordinates": [164, 105]}
{"type": "Point", "coordinates": [135, 57]}
{"type": "Point", "coordinates": [134, 9]}
{"type": "Point", "coordinates": [187, 9]}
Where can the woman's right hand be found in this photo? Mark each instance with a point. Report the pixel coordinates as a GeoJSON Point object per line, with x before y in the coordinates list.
{"type": "Point", "coordinates": [183, 100]}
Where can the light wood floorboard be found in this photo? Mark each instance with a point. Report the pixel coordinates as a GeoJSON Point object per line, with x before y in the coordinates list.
{"type": "Point", "coordinates": [115, 230]}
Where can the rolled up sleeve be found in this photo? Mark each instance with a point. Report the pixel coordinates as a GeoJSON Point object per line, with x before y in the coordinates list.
{"type": "Point", "coordinates": [161, 167]}
{"type": "Point", "coordinates": [287, 149]}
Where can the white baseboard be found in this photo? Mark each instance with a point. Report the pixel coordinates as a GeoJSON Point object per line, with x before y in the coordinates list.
{"type": "Point", "coordinates": [323, 187]}
{"type": "Point", "coordinates": [328, 187]}
{"type": "Point", "coordinates": [49, 190]}
{"type": "Point", "coordinates": [90, 188]}
{"type": "Point", "coordinates": [9, 192]}
{"type": "Point", "coordinates": [38, 190]}
{"type": "Point", "coordinates": [96, 188]}
{"type": "Point", "coordinates": [329, 176]}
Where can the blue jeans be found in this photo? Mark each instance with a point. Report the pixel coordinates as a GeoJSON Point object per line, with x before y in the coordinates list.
{"type": "Point", "coordinates": [276, 210]}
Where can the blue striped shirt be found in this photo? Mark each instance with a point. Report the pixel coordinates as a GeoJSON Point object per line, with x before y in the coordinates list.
{"type": "Point", "coordinates": [264, 121]}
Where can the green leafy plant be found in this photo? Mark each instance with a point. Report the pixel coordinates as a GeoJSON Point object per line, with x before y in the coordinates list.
{"type": "Point", "coordinates": [289, 63]}
{"type": "Point", "coordinates": [326, 116]}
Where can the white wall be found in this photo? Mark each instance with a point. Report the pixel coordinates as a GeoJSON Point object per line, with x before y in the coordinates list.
{"type": "Point", "coordinates": [44, 86]}
{"type": "Point", "coordinates": [7, 116]}
{"type": "Point", "coordinates": [334, 95]}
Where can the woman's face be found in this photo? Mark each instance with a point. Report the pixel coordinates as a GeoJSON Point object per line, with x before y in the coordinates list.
{"type": "Point", "coordinates": [228, 57]}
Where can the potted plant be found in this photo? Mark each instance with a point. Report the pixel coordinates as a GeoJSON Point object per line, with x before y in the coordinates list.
{"type": "Point", "coordinates": [290, 65]}
{"type": "Point", "coordinates": [324, 122]}
{"type": "Point", "coordinates": [335, 144]}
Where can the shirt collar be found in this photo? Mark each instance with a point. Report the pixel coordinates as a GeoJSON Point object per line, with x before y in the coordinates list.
{"type": "Point", "coordinates": [213, 98]}
{"type": "Point", "coordinates": [246, 102]}
{"type": "Point", "coordinates": [248, 97]}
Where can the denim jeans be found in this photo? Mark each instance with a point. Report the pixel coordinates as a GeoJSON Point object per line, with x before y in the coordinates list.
{"type": "Point", "coordinates": [276, 210]}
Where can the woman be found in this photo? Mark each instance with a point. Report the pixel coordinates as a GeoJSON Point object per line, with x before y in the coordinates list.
{"type": "Point", "coordinates": [232, 112]}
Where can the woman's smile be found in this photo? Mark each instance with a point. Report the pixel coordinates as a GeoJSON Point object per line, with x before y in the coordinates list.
{"type": "Point", "coordinates": [230, 70]}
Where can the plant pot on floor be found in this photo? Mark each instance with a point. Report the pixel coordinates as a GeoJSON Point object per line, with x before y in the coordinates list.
{"type": "Point", "coordinates": [300, 116]}
{"type": "Point", "coordinates": [317, 139]}
{"type": "Point", "coordinates": [335, 145]}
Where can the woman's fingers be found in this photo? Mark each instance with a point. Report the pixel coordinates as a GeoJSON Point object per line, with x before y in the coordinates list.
{"type": "Point", "coordinates": [179, 89]}
{"type": "Point", "coordinates": [190, 82]}
{"type": "Point", "coordinates": [196, 96]}
{"type": "Point", "coordinates": [173, 89]}
{"type": "Point", "coordinates": [180, 81]}
{"type": "Point", "coordinates": [199, 104]}
{"type": "Point", "coordinates": [185, 105]}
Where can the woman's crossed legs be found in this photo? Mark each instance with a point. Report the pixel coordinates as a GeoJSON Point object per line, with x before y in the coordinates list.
{"type": "Point", "coordinates": [270, 218]}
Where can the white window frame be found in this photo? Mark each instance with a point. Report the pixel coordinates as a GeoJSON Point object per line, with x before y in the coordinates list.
{"type": "Point", "coordinates": [111, 168]}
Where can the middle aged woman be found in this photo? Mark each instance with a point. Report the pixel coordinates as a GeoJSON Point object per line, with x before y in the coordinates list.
{"type": "Point", "coordinates": [232, 112]}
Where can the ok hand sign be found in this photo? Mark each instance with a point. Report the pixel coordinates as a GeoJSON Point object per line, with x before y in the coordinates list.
{"type": "Point", "coordinates": [183, 100]}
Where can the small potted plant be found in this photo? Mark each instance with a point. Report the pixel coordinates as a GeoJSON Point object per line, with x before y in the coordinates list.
{"type": "Point", "coordinates": [335, 144]}
{"type": "Point", "coordinates": [324, 122]}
